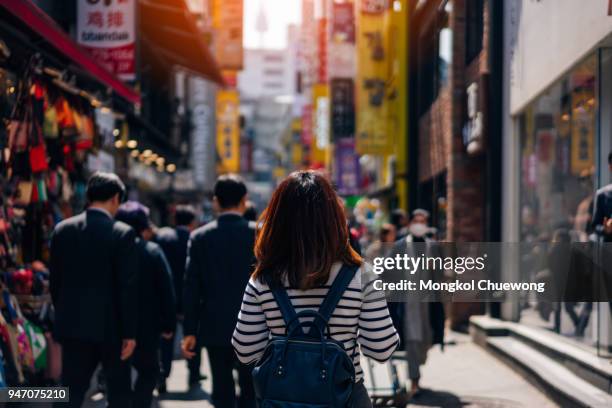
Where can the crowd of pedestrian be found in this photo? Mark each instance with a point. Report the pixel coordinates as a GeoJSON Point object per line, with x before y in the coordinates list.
{"type": "Point", "coordinates": [121, 287]}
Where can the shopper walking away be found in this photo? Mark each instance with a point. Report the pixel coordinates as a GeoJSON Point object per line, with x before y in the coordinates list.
{"type": "Point", "coordinates": [602, 225]}
{"type": "Point", "coordinates": [220, 261]}
{"type": "Point", "coordinates": [173, 242]}
{"type": "Point", "coordinates": [602, 209]}
{"type": "Point", "coordinates": [93, 282]}
{"type": "Point", "coordinates": [156, 302]}
{"type": "Point", "coordinates": [302, 245]}
{"type": "Point", "coordinates": [422, 320]}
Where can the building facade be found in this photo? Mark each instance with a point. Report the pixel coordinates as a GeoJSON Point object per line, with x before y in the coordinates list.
{"type": "Point", "coordinates": [557, 134]}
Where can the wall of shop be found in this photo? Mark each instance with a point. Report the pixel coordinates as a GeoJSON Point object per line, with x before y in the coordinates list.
{"type": "Point", "coordinates": [556, 138]}
{"type": "Point", "coordinates": [561, 30]}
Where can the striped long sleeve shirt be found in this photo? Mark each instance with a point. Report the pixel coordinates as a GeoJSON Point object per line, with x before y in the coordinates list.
{"type": "Point", "coordinates": [361, 320]}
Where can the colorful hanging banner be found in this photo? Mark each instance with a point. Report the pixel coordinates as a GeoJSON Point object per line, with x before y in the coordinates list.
{"type": "Point", "coordinates": [342, 108]}
{"type": "Point", "coordinates": [228, 131]}
{"type": "Point", "coordinates": [320, 141]}
{"type": "Point", "coordinates": [106, 29]}
{"type": "Point", "coordinates": [375, 86]}
{"type": "Point", "coordinates": [346, 167]}
{"type": "Point", "coordinates": [227, 22]}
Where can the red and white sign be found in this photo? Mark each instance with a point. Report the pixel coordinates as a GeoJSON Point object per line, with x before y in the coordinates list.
{"type": "Point", "coordinates": [106, 28]}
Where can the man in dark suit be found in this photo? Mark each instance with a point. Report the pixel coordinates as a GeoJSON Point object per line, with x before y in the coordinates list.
{"type": "Point", "coordinates": [173, 241]}
{"type": "Point", "coordinates": [93, 284]}
{"type": "Point", "coordinates": [220, 261]}
{"type": "Point", "coordinates": [156, 302]}
{"type": "Point", "coordinates": [602, 209]}
{"type": "Point", "coordinates": [602, 225]}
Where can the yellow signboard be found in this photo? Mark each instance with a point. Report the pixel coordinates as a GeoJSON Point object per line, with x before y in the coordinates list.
{"type": "Point", "coordinates": [321, 124]}
{"type": "Point", "coordinates": [377, 81]}
{"type": "Point", "coordinates": [228, 131]}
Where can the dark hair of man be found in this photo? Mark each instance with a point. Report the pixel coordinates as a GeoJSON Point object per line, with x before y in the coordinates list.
{"type": "Point", "coordinates": [103, 186]}
{"type": "Point", "coordinates": [229, 190]}
{"type": "Point", "coordinates": [610, 158]}
{"type": "Point", "coordinates": [302, 233]}
{"type": "Point", "coordinates": [135, 215]}
{"type": "Point", "coordinates": [397, 216]}
{"type": "Point", "coordinates": [184, 215]}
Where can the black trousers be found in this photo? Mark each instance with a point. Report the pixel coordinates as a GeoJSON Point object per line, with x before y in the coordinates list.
{"type": "Point", "coordinates": [146, 362]}
{"type": "Point", "coordinates": [222, 363]}
{"type": "Point", "coordinates": [79, 361]}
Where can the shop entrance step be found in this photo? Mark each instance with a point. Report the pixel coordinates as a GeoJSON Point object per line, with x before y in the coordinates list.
{"type": "Point", "coordinates": [555, 379]}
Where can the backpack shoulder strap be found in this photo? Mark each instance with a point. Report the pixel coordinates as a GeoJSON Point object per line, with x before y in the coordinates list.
{"type": "Point", "coordinates": [284, 304]}
{"type": "Point", "coordinates": [342, 281]}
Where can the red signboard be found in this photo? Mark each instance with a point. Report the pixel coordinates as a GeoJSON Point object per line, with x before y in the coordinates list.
{"type": "Point", "coordinates": [107, 30]}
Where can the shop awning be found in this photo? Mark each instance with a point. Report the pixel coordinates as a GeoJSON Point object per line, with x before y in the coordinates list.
{"type": "Point", "coordinates": [170, 36]}
{"type": "Point", "coordinates": [41, 23]}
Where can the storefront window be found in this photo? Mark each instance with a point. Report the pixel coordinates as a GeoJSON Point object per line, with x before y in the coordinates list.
{"type": "Point", "coordinates": [558, 142]}
{"type": "Point", "coordinates": [557, 136]}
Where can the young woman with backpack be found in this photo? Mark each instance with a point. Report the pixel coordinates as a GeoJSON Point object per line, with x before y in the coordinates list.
{"type": "Point", "coordinates": [309, 309]}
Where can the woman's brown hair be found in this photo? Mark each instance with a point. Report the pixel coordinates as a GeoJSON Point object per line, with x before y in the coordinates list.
{"type": "Point", "coordinates": [303, 231]}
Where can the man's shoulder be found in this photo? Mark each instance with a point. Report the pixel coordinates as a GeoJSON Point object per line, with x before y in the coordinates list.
{"type": "Point", "coordinates": [605, 190]}
{"type": "Point", "coordinates": [166, 234]}
{"type": "Point", "coordinates": [153, 248]}
{"type": "Point", "coordinates": [70, 223]}
{"type": "Point", "coordinates": [120, 228]}
{"type": "Point", "coordinates": [205, 230]}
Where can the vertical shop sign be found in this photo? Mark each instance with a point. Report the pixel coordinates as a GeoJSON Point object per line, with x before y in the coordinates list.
{"type": "Point", "coordinates": [307, 124]}
{"type": "Point", "coordinates": [228, 131]}
{"type": "Point", "coordinates": [201, 100]}
{"type": "Point", "coordinates": [320, 96]}
{"type": "Point", "coordinates": [106, 29]}
{"type": "Point", "coordinates": [227, 22]}
{"type": "Point", "coordinates": [342, 108]}
{"type": "Point", "coordinates": [322, 50]}
{"type": "Point", "coordinates": [341, 47]}
{"type": "Point", "coordinates": [583, 132]}
{"type": "Point", "coordinates": [375, 86]}
{"type": "Point", "coordinates": [343, 22]}
{"type": "Point", "coordinates": [346, 171]}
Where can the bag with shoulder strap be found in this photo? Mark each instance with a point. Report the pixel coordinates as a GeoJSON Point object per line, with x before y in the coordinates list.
{"type": "Point", "coordinates": [306, 369]}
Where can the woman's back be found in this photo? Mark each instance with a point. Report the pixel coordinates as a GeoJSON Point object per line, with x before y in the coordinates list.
{"type": "Point", "coordinates": [360, 317]}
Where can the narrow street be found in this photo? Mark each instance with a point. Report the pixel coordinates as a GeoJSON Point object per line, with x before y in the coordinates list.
{"type": "Point", "coordinates": [464, 375]}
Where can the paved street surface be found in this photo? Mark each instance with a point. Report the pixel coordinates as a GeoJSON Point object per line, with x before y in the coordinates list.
{"type": "Point", "coordinates": [468, 376]}
{"type": "Point", "coordinates": [464, 375]}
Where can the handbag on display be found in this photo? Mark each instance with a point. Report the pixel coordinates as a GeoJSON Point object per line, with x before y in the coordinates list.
{"type": "Point", "coordinates": [50, 126]}
{"type": "Point", "coordinates": [23, 195]}
{"type": "Point", "coordinates": [38, 152]}
{"type": "Point", "coordinates": [18, 131]}
{"type": "Point", "coordinates": [65, 118]}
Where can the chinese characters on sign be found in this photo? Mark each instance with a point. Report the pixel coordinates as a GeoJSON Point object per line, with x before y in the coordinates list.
{"type": "Point", "coordinates": [107, 30]}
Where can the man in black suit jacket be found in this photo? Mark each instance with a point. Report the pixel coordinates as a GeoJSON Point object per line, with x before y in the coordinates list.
{"type": "Point", "coordinates": [173, 241]}
{"type": "Point", "coordinates": [602, 209]}
{"type": "Point", "coordinates": [93, 277]}
{"type": "Point", "coordinates": [156, 302]}
{"type": "Point", "coordinates": [219, 264]}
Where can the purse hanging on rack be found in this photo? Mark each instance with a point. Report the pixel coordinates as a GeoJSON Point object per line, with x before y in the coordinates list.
{"type": "Point", "coordinates": [50, 127]}
{"type": "Point", "coordinates": [19, 126]}
{"type": "Point", "coordinates": [38, 152]}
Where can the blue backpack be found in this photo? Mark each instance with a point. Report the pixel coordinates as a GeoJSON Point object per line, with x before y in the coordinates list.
{"type": "Point", "coordinates": [306, 369]}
